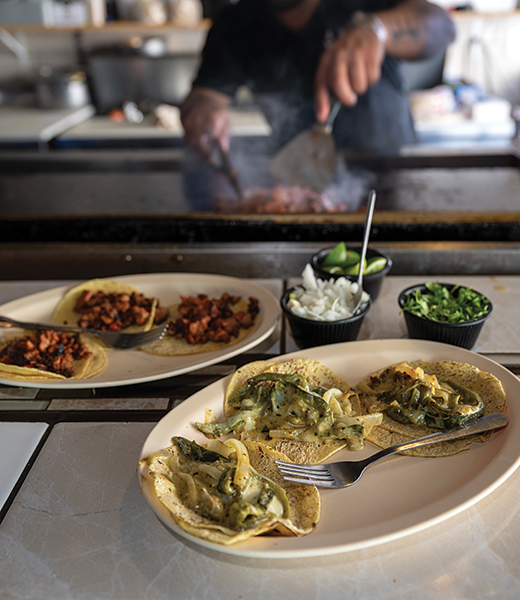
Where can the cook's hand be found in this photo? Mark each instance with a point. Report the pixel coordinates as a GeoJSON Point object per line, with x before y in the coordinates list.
{"type": "Point", "coordinates": [347, 69]}
{"type": "Point", "coordinates": [205, 118]}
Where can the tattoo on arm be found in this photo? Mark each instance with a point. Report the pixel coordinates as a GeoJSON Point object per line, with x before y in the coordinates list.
{"type": "Point", "coordinates": [405, 31]}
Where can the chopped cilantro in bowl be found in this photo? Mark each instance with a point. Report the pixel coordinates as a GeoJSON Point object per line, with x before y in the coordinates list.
{"type": "Point", "coordinates": [446, 303]}
{"type": "Point", "coordinates": [444, 312]}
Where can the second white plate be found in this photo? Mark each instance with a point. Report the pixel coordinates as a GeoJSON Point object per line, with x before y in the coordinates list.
{"type": "Point", "coordinates": [395, 498]}
{"type": "Point", "coordinates": [127, 367]}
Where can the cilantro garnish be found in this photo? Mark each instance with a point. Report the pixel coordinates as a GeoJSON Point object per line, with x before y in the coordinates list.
{"type": "Point", "coordinates": [458, 305]}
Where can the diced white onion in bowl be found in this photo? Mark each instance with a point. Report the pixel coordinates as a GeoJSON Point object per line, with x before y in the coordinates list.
{"type": "Point", "coordinates": [324, 300]}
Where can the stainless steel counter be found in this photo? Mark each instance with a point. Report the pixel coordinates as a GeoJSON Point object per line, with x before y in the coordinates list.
{"type": "Point", "coordinates": [33, 126]}
{"type": "Point", "coordinates": [24, 261]}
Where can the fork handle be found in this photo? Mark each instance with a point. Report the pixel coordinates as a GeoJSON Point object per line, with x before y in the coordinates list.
{"type": "Point", "coordinates": [487, 423]}
{"type": "Point", "coordinates": [8, 322]}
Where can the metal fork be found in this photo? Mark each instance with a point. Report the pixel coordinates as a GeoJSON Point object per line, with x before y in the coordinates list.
{"type": "Point", "coordinates": [346, 473]}
{"type": "Point", "coordinates": [116, 339]}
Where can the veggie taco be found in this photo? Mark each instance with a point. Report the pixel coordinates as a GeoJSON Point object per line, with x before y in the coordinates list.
{"type": "Point", "coordinates": [50, 354]}
{"type": "Point", "coordinates": [230, 491]}
{"type": "Point", "coordinates": [419, 398]}
{"type": "Point", "coordinates": [298, 407]}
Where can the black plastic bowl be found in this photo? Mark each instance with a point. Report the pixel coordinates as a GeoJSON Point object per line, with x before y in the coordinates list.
{"type": "Point", "coordinates": [371, 283]}
{"type": "Point", "coordinates": [308, 333]}
{"type": "Point", "coordinates": [464, 335]}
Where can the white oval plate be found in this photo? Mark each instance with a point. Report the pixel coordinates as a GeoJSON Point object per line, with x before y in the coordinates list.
{"type": "Point", "coordinates": [395, 498]}
{"type": "Point", "coordinates": [126, 367]}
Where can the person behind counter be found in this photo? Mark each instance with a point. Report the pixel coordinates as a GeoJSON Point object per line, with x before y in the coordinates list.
{"type": "Point", "coordinates": [295, 54]}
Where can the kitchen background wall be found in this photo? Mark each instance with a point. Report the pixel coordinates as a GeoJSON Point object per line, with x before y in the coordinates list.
{"type": "Point", "coordinates": [485, 52]}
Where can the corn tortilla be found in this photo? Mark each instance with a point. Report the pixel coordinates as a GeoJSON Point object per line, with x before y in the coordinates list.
{"type": "Point", "coordinates": [64, 313]}
{"type": "Point", "coordinates": [172, 346]}
{"type": "Point", "coordinates": [391, 432]}
{"type": "Point", "coordinates": [302, 509]}
{"type": "Point", "coordinates": [316, 374]}
{"type": "Point", "coordinates": [84, 368]}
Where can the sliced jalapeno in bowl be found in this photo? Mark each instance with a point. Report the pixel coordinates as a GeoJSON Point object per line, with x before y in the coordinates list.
{"type": "Point", "coordinates": [343, 261]}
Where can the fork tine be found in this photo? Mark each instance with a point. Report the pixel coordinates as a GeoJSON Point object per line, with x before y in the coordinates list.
{"type": "Point", "coordinates": [329, 483]}
{"type": "Point", "coordinates": [126, 341]}
{"type": "Point", "coordinates": [308, 474]}
{"type": "Point", "coordinates": [320, 476]}
{"type": "Point", "coordinates": [317, 479]}
{"type": "Point", "coordinates": [146, 338]}
{"type": "Point", "coordinates": [302, 470]}
{"type": "Point", "coordinates": [152, 334]}
{"type": "Point", "coordinates": [301, 466]}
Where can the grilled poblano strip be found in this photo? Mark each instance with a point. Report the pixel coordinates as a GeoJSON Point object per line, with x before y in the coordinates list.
{"type": "Point", "coordinates": [285, 406]}
{"type": "Point", "coordinates": [450, 406]}
{"type": "Point", "coordinates": [211, 489]}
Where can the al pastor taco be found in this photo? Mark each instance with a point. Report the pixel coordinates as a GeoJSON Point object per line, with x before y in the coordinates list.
{"type": "Point", "coordinates": [230, 491]}
{"type": "Point", "coordinates": [108, 305]}
{"type": "Point", "coordinates": [203, 324]}
{"type": "Point", "coordinates": [298, 407]}
{"type": "Point", "coordinates": [419, 398]}
{"type": "Point", "coordinates": [50, 354]}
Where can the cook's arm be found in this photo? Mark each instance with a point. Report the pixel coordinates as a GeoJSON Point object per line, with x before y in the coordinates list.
{"type": "Point", "coordinates": [417, 30]}
{"type": "Point", "coordinates": [412, 30]}
{"type": "Point", "coordinates": [205, 118]}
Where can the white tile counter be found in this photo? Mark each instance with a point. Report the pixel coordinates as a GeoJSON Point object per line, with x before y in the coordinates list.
{"type": "Point", "coordinates": [79, 528]}
{"type": "Point", "coordinates": [17, 443]}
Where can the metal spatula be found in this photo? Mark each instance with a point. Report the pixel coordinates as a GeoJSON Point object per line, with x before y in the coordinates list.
{"type": "Point", "coordinates": [308, 160]}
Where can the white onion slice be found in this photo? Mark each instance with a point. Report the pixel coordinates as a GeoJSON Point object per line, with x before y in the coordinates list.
{"type": "Point", "coordinates": [324, 300]}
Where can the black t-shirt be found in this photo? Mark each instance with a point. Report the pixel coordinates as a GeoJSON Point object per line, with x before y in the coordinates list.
{"type": "Point", "coordinates": [248, 46]}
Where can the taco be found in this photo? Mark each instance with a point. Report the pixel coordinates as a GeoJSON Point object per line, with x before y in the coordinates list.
{"type": "Point", "coordinates": [50, 354]}
{"type": "Point", "coordinates": [107, 305]}
{"type": "Point", "coordinates": [298, 407]}
{"type": "Point", "coordinates": [420, 398]}
{"type": "Point", "coordinates": [230, 491]}
{"type": "Point", "coordinates": [202, 324]}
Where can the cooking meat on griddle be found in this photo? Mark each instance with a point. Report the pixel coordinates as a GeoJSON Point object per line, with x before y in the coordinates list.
{"type": "Point", "coordinates": [280, 199]}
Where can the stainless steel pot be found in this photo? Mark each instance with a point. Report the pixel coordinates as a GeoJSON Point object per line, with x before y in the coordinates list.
{"type": "Point", "coordinates": [62, 90]}
{"type": "Point", "coordinates": [140, 76]}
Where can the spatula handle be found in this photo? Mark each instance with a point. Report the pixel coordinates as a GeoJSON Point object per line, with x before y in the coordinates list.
{"type": "Point", "coordinates": [332, 115]}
